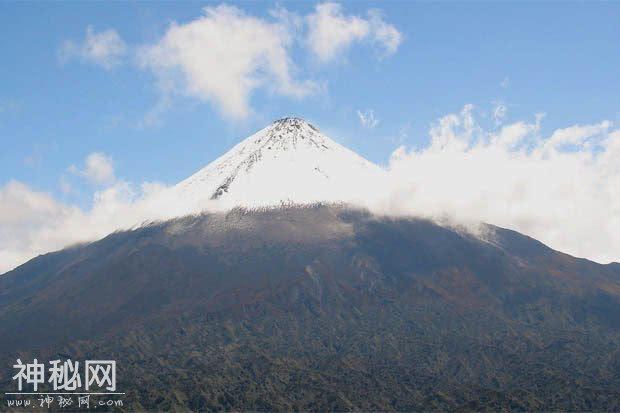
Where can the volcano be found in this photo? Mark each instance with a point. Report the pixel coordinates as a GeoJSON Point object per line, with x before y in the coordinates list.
{"type": "Point", "coordinates": [302, 305]}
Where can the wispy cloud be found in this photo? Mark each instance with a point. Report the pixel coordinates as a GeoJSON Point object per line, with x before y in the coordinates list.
{"type": "Point", "coordinates": [367, 118]}
{"type": "Point", "coordinates": [105, 48]}
{"type": "Point", "coordinates": [499, 113]}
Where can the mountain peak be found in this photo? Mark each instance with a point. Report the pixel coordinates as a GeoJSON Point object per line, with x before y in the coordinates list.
{"type": "Point", "coordinates": [288, 161]}
{"type": "Point", "coordinates": [291, 120]}
{"type": "Point", "coordinates": [286, 134]}
{"type": "Point", "coordinates": [293, 123]}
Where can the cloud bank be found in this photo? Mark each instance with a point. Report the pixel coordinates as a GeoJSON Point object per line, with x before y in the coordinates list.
{"type": "Point", "coordinates": [33, 222]}
{"type": "Point", "coordinates": [561, 189]}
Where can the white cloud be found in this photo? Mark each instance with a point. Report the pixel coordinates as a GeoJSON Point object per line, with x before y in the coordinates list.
{"type": "Point", "coordinates": [105, 48]}
{"type": "Point", "coordinates": [98, 169]}
{"type": "Point", "coordinates": [577, 135]}
{"type": "Point", "coordinates": [384, 34]}
{"type": "Point", "coordinates": [564, 196]}
{"type": "Point", "coordinates": [33, 222]}
{"type": "Point", "coordinates": [23, 212]}
{"type": "Point", "coordinates": [499, 113]}
{"type": "Point", "coordinates": [224, 56]}
{"type": "Point", "coordinates": [331, 32]}
{"type": "Point", "coordinates": [505, 82]}
{"type": "Point", "coordinates": [367, 118]}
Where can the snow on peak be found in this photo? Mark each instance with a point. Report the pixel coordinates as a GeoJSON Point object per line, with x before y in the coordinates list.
{"type": "Point", "coordinates": [287, 134]}
{"type": "Point", "coordinates": [293, 122]}
{"type": "Point", "coordinates": [288, 161]}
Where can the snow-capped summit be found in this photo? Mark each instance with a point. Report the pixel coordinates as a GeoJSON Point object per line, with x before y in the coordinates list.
{"type": "Point", "coordinates": [288, 161]}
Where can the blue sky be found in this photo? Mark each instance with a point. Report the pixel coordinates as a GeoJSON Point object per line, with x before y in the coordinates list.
{"type": "Point", "coordinates": [97, 97]}
{"type": "Point", "coordinates": [562, 59]}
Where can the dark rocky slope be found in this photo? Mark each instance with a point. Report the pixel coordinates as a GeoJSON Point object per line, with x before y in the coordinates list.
{"type": "Point", "coordinates": [323, 308]}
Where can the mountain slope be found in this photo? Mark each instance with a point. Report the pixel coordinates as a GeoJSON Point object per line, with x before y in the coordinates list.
{"type": "Point", "coordinates": [324, 308]}
{"type": "Point", "coordinates": [288, 161]}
